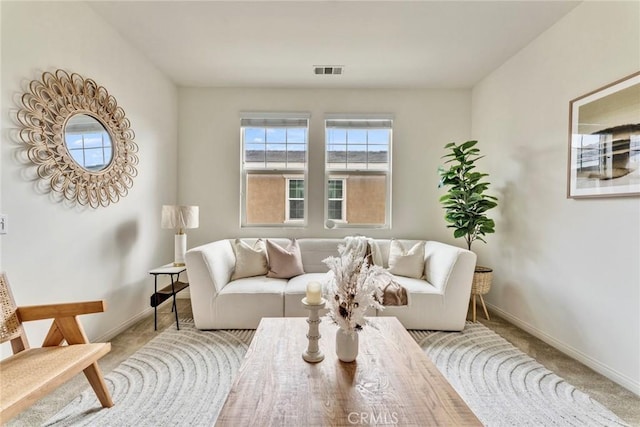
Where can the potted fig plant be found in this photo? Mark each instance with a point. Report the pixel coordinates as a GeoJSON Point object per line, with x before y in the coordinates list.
{"type": "Point", "coordinates": [466, 206]}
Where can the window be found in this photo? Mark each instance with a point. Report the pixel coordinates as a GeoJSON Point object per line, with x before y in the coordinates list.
{"type": "Point", "coordinates": [358, 171]}
{"type": "Point", "coordinates": [295, 199]}
{"type": "Point", "coordinates": [336, 205]}
{"type": "Point", "coordinates": [274, 168]}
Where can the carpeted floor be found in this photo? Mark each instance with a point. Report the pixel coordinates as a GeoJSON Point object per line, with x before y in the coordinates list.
{"type": "Point", "coordinates": [182, 378]}
{"type": "Point", "coordinates": [619, 400]}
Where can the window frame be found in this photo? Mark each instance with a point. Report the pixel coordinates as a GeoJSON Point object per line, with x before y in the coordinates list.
{"type": "Point", "coordinates": [268, 120]}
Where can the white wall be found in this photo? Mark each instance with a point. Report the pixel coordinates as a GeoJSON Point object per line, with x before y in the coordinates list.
{"type": "Point", "coordinates": [209, 163]}
{"type": "Point", "coordinates": [55, 252]}
{"type": "Point", "coordinates": [566, 270]}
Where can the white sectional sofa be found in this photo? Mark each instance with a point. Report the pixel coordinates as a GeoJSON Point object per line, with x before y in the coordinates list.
{"type": "Point", "coordinates": [439, 301]}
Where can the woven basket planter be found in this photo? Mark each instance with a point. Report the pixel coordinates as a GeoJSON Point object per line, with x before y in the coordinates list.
{"type": "Point", "coordinates": [482, 278]}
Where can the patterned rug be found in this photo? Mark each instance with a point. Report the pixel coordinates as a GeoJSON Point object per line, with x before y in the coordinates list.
{"type": "Point", "coordinates": [181, 378]}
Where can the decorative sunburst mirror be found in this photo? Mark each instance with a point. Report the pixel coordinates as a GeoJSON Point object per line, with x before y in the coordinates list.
{"type": "Point", "coordinates": [79, 138]}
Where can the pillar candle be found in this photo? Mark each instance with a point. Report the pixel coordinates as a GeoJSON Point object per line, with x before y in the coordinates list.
{"type": "Point", "coordinates": [314, 293]}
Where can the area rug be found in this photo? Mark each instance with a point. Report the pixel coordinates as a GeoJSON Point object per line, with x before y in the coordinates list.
{"type": "Point", "coordinates": [181, 378]}
{"type": "Point", "coordinates": [505, 387]}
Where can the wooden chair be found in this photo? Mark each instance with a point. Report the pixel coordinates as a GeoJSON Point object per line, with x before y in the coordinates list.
{"type": "Point", "coordinates": [31, 373]}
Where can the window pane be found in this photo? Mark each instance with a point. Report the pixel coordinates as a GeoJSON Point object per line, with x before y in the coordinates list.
{"type": "Point", "coordinates": [357, 136]}
{"type": "Point", "coordinates": [296, 189]}
{"type": "Point", "coordinates": [296, 209]}
{"type": "Point", "coordinates": [254, 153]}
{"type": "Point", "coordinates": [276, 135]}
{"type": "Point", "coordinates": [337, 153]}
{"type": "Point", "coordinates": [296, 155]}
{"type": "Point", "coordinates": [378, 153]}
{"type": "Point", "coordinates": [379, 136]}
{"type": "Point", "coordinates": [335, 209]}
{"type": "Point", "coordinates": [357, 154]}
{"type": "Point", "coordinates": [277, 155]}
{"type": "Point", "coordinates": [337, 136]}
{"type": "Point", "coordinates": [254, 135]}
{"type": "Point", "coordinates": [296, 147]}
{"type": "Point", "coordinates": [335, 189]}
{"type": "Point", "coordinates": [296, 135]}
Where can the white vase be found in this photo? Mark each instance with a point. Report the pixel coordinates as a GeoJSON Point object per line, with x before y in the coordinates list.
{"type": "Point", "coordinates": [346, 345]}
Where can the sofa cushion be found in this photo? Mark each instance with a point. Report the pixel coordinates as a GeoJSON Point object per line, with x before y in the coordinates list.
{"type": "Point", "coordinates": [284, 263]}
{"type": "Point", "coordinates": [413, 286]}
{"type": "Point", "coordinates": [298, 285]}
{"type": "Point", "coordinates": [406, 263]}
{"type": "Point", "coordinates": [241, 304]}
{"type": "Point", "coordinates": [255, 285]}
{"type": "Point", "coordinates": [296, 289]}
{"type": "Point", "coordinates": [250, 261]}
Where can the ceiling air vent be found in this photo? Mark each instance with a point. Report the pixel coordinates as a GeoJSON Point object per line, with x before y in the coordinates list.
{"type": "Point", "coordinates": [328, 69]}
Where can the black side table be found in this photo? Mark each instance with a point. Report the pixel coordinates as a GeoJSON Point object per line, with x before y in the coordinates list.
{"type": "Point", "coordinates": [159, 296]}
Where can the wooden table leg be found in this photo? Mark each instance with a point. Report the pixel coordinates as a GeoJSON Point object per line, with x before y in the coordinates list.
{"type": "Point", "coordinates": [474, 308]}
{"type": "Point", "coordinates": [486, 313]}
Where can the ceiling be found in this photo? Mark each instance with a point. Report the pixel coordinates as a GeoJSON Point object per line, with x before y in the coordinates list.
{"type": "Point", "coordinates": [382, 44]}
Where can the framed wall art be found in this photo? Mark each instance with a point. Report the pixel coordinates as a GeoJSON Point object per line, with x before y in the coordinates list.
{"type": "Point", "coordinates": [604, 141]}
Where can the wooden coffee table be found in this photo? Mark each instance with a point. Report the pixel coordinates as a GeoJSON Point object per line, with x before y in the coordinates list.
{"type": "Point", "coordinates": [392, 381]}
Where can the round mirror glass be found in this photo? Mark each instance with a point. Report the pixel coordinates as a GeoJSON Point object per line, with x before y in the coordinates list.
{"type": "Point", "coordinates": [88, 142]}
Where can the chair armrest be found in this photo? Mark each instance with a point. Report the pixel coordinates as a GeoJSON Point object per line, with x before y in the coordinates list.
{"type": "Point", "coordinates": [51, 311]}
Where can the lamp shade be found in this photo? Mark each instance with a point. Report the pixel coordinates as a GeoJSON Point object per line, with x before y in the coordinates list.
{"type": "Point", "coordinates": [179, 217]}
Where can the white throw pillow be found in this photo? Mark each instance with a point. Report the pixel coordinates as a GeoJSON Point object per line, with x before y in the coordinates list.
{"type": "Point", "coordinates": [407, 264]}
{"type": "Point", "coordinates": [250, 261]}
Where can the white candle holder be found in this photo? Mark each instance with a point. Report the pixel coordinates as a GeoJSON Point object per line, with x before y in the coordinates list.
{"type": "Point", "coordinates": [313, 353]}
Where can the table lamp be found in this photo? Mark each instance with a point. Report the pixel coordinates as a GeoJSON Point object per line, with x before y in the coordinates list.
{"type": "Point", "coordinates": [179, 218]}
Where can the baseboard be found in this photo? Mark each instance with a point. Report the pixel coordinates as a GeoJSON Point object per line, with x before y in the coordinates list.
{"type": "Point", "coordinates": [109, 335]}
{"type": "Point", "coordinates": [594, 364]}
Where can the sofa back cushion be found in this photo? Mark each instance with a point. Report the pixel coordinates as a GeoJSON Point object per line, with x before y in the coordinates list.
{"type": "Point", "coordinates": [315, 250]}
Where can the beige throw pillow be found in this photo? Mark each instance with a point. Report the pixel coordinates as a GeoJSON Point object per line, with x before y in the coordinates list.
{"type": "Point", "coordinates": [250, 261]}
{"type": "Point", "coordinates": [408, 264]}
{"type": "Point", "coordinates": [284, 263]}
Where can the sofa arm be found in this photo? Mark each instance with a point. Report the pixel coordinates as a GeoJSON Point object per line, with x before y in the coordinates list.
{"type": "Point", "coordinates": [209, 268]}
{"type": "Point", "coordinates": [449, 268]}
